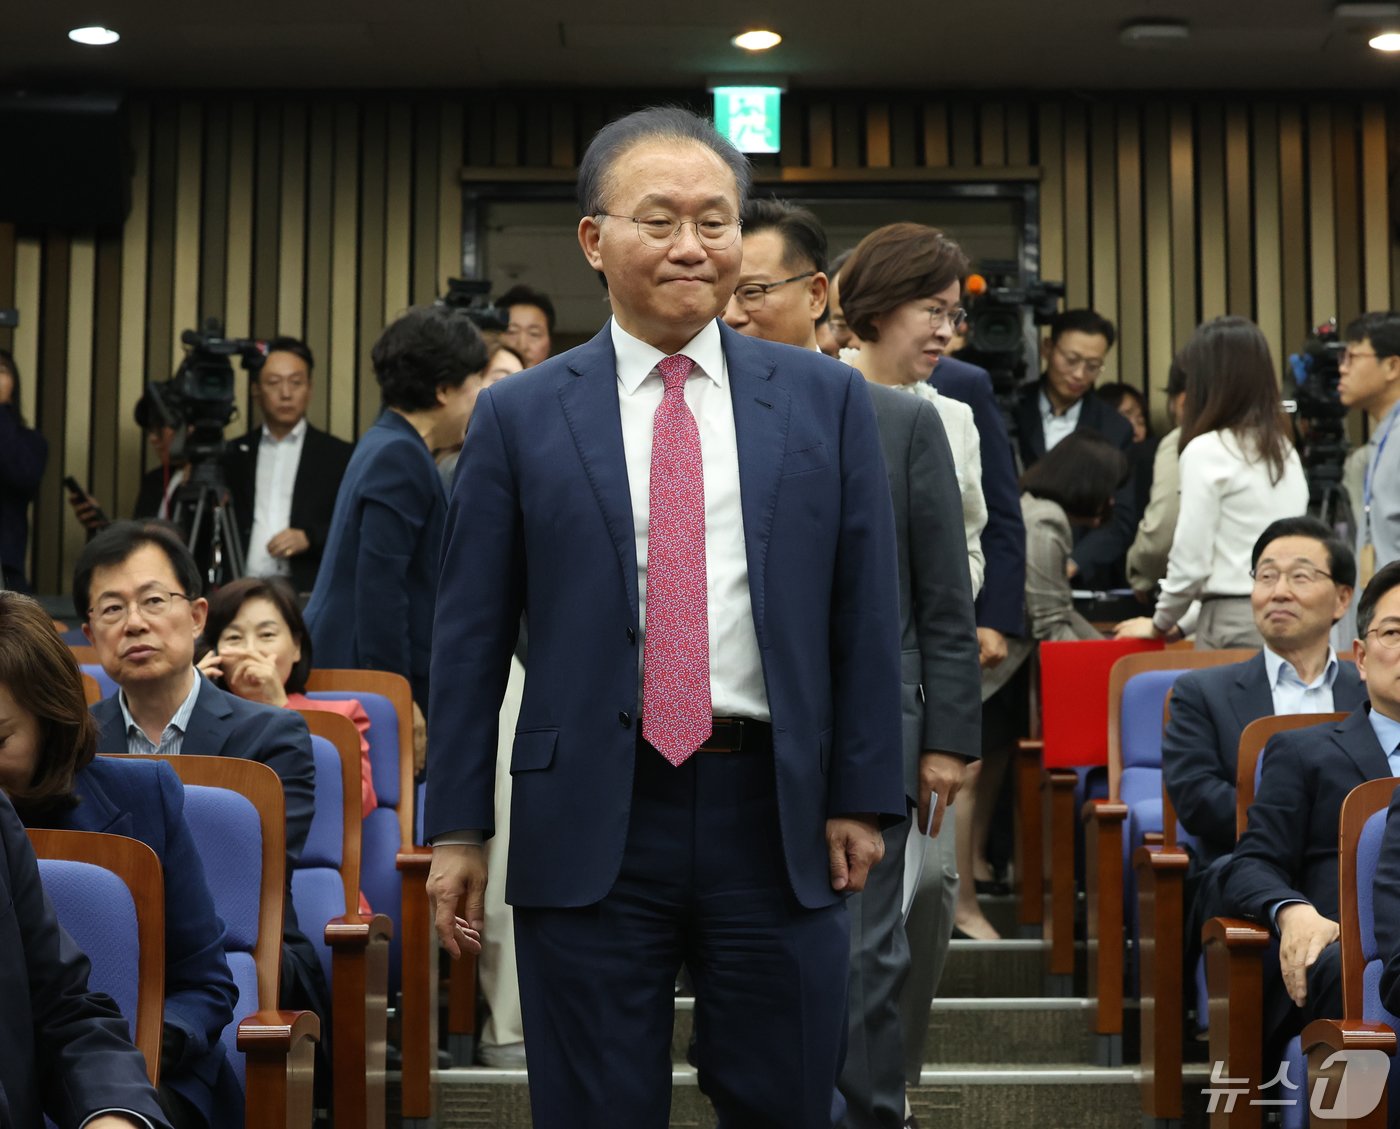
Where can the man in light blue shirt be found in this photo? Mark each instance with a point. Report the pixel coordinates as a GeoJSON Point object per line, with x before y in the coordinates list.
{"type": "Point", "coordinates": [1284, 870]}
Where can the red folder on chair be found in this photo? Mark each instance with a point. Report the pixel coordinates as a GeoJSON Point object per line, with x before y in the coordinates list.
{"type": "Point", "coordinates": [1074, 698]}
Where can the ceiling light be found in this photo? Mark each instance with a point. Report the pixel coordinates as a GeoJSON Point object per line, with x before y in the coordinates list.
{"type": "Point", "coordinates": [1154, 33]}
{"type": "Point", "coordinates": [94, 36]}
{"type": "Point", "coordinates": [759, 40]}
{"type": "Point", "coordinates": [1387, 41]}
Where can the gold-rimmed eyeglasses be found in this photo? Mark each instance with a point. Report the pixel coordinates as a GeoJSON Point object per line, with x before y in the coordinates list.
{"type": "Point", "coordinates": [1299, 575]}
{"type": "Point", "coordinates": [153, 603]}
{"type": "Point", "coordinates": [1387, 635]}
{"type": "Point", "coordinates": [657, 229]}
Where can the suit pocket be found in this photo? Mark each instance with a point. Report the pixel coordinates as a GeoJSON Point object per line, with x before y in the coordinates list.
{"type": "Point", "coordinates": [533, 750]}
{"type": "Point", "coordinates": [807, 459]}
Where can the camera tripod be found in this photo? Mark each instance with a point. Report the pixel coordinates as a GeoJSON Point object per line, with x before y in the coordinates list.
{"type": "Point", "coordinates": [205, 496]}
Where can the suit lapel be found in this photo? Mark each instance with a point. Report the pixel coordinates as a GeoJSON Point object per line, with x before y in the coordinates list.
{"type": "Point", "coordinates": [761, 412]}
{"type": "Point", "coordinates": [1250, 696]}
{"type": "Point", "coordinates": [96, 810]}
{"type": "Point", "coordinates": [589, 400]}
{"type": "Point", "coordinates": [206, 732]}
{"type": "Point", "coordinates": [111, 736]}
{"type": "Point", "coordinates": [1358, 740]}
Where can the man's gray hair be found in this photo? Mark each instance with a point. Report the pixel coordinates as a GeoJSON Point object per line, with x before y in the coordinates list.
{"type": "Point", "coordinates": [656, 123]}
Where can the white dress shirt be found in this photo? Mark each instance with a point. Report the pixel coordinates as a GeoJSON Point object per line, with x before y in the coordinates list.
{"type": "Point", "coordinates": [1227, 500]}
{"type": "Point", "coordinates": [278, 460]}
{"type": "Point", "coordinates": [1057, 427]}
{"type": "Point", "coordinates": [736, 671]}
{"type": "Point", "coordinates": [172, 740]}
{"type": "Point", "coordinates": [1291, 695]}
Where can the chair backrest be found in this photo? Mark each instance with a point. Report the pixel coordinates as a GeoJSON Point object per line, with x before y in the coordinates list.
{"type": "Point", "coordinates": [341, 751]}
{"type": "Point", "coordinates": [109, 894]}
{"type": "Point", "coordinates": [1362, 827]}
{"type": "Point", "coordinates": [104, 684]}
{"type": "Point", "coordinates": [394, 785]}
{"type": "Point", "coordinates": [83, 652]}
{"type": "Point", "coordinates": [1074, 700]}
{"type": "Point", "coordinates": [1252, 741]}
{"type": "Point", "coordinates": [1137, 688]}
{"type": "Point", "coordinates": [92, 692]}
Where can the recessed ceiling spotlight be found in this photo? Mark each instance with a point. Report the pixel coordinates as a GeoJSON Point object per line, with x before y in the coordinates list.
{"type": "Point", "coordinates": [758, 40]}
{"type": "Point", "coordinates": [1387, 41]}
{"type": "Point", "coordinates": [94, 36]}
{"type": "Point", "coordinates": [1154, 33]}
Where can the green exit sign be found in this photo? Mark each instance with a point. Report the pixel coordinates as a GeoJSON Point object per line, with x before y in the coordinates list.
{"type": "Point", "coordinates": [749, 116]}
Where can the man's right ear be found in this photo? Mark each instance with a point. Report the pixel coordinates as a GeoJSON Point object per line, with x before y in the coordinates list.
{"type": "Point", "coordinates": [589, 232]}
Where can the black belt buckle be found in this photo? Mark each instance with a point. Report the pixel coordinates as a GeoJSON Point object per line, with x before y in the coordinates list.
{"type": "Point", "coordinates": [726, 736]}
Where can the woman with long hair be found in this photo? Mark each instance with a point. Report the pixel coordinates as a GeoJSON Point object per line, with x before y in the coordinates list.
{"type": "Point", "coordinates": [1239, 472]}
{"type": "Point", "coordinates": [49, 770]}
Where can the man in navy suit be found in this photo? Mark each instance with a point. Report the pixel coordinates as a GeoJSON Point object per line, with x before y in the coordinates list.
{"type": "Point", "coordinates": [698, 528]}
{"type": "Point", "coordinates": [1304, 578]}
{"type": "Point", "coordinates": [1059, 403]}
{"type": "Point", "coordinates": [1284, 870]}
{"type": "Point", "coordinates": [139, 592]}
{"type": "Point", "coordinates": [64, 1051]}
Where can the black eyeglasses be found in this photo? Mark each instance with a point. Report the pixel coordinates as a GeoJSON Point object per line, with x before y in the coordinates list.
{"type": "Point", "coordinates": [752, 295]}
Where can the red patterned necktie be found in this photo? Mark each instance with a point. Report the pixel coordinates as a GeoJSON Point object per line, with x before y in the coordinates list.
{"type": "Point", "coordinates": [676, 713]}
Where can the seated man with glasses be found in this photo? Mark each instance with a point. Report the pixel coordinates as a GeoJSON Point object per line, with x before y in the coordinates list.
{"type": "Point", "coordinates": [1284, 871]}
{"type": "Point", "coordinates": [1074, 355]}
{"type": "Point", "coordinates": [138, 591]}
{"type": "Point", "coordinates": [284, 475]}
{"type": "Point", "coordinates": [1303, 584]}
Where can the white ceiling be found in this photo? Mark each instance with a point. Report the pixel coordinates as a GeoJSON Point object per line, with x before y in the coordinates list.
{"type": "Point", "coordinates": [992, 44]}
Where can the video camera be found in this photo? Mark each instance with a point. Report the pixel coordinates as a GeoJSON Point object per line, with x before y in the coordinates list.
{"type": "Point", "coordinates": [198, 401]}
{"type": "Point", "coordinates": [471, 296]}
{"type": "Point", "coordinates": [997, 315]}
{"type": "Point", "coordinates": [1319, 422]}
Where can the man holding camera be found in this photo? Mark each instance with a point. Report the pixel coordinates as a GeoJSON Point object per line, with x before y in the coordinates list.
{"type": "Point", "coordinates": [284, 475]}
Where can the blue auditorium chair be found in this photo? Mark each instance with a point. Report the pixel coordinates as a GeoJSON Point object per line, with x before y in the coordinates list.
{"type": "Point", "coordinates": [237, 815]}
{"type": "Point", "coordinates": [108, 893]}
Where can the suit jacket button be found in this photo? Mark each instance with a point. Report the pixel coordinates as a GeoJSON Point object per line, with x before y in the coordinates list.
{"type": "Point", "coordinates": [631, 636]}
{"type": "Point", "coordinates": [624, 719]}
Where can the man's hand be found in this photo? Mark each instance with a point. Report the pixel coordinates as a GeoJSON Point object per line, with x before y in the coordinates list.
{"type": "Point", "coordinates": [940, 775]}
{"type": "Point", "coordinates": [420, 741]}
{"type": "Point", "coordinates": [853, 845]}
{"type": "Point", "coordinates": [458, 869]}
{"type": "Point", "coordinates": [991, 647]}
{"type": "Point", "coordinates": [87, 511]}
{"type": "Point", "coordinates": [1139, 627]}
{"type": "Point", "coordinates": [1071, 569]}
{"type": "Point", "coordinates": [1303, 934]}
{"type": "Point", "coordinates": [288, 543]}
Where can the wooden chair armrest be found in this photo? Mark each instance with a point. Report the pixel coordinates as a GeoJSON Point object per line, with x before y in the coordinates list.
{"type": "Point", "coordinates": [1322, 1039]}
{"type": "Point", "coordinates": [1235, 952]}
{"type": "Point", "coordinates": [1060, 896]}
{"type": "Point", "coordinates": [1030, 865]}
{"type": "Point", "coordinates": [1030, 745]}
{"type": "Point", "coordinates": [418, 1013]}
{"type": "Point", "coordinates": [1161, 895]}
{"type": "Point", "coordinates": [1103, 915]}
{"type": "Point", "coordinates": [360, 1002]}
{"type": "Point", "coordinates": [278, 1046]}
{"type": "Point", "coordinates": [1153, 838]}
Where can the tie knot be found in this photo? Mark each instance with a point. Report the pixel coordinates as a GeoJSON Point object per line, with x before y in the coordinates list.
{"type": "Point", "coordinates": [674, 370]}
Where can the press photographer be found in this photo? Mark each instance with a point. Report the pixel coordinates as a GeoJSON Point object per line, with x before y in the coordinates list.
{"type": "Point", "coordinates": [1369, 371]}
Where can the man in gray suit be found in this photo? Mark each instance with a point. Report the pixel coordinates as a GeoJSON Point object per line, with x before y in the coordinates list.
{"type": "Point", "coordinates": [1371, 381]}
{"type": "Point", "coordinates": [783, 246]}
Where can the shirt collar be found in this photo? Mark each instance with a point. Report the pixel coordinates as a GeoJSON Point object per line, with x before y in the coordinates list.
{"type": "Point", "coordinates": [293, 436]}
{"type": "Point", "coordinates": [1277, 667]}
{"type": "Point", "coordinates": [1387, 730]}
{"type": "Point", "coordinates": [1047, 409]}
{"type": "Point", "coordinates": [180, 721]}
{"type": "Point", "coordinates": [636, 360]}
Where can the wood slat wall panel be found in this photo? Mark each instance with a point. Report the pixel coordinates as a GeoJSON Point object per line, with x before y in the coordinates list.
{"type": "Point", "coordinates": [321, 215]}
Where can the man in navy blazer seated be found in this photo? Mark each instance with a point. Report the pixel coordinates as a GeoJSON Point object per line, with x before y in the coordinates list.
{"type": "Point", "coordinates": [1304, 578]}
{"type": "Point", "coordinates": [1059, 403]}
{"type": "Point", "coordinates": [139, 593]}
{"type": "Point", "coordinates": [1284, 871]}
{"type": "Point", "coordinates": [698, 527]}
{"type": "Point", "coordinates": [65, 1051]}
